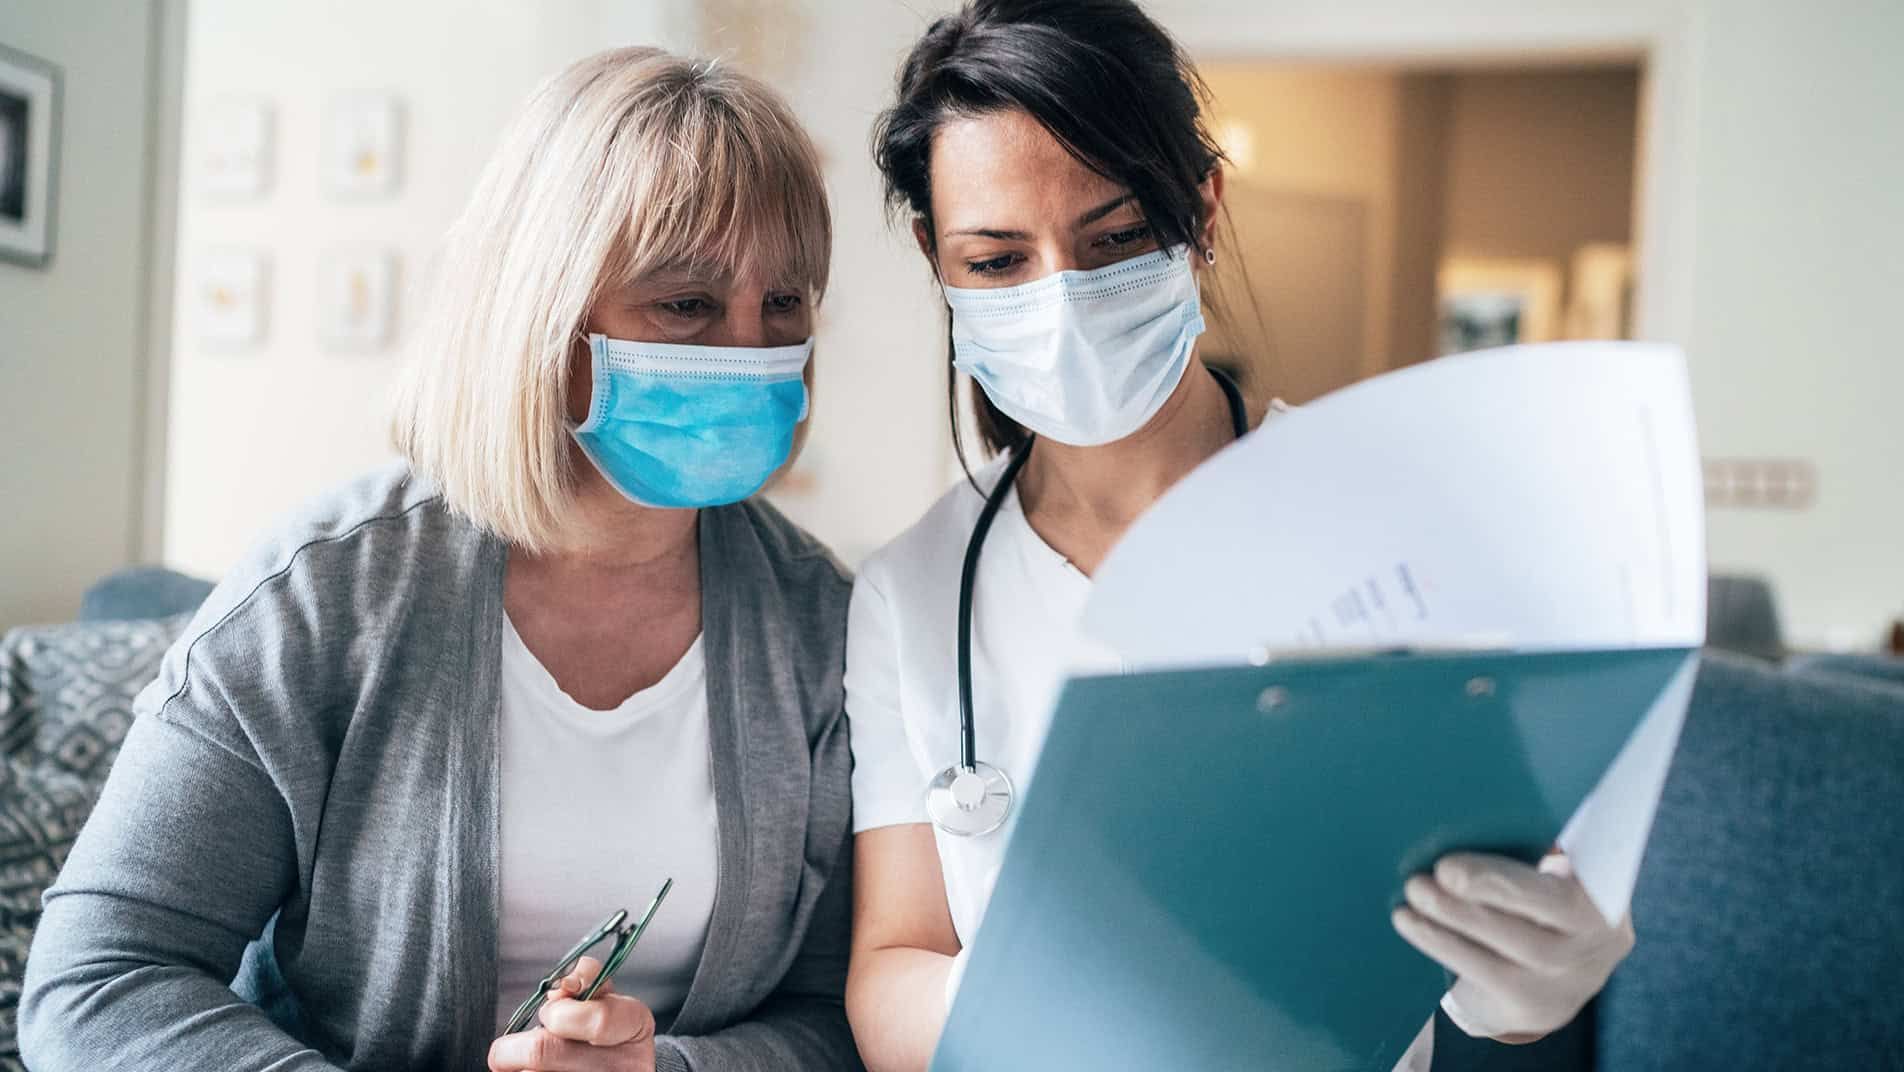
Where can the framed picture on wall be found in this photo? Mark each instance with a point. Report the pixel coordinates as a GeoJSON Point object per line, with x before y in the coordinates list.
{"type": "Point", "coordinates": [356, 298]}
{"type": "Point", "coordinates": [29, 156]}
{"type": "Point", "coordinates": [1600, 292]}
{"type": "Point", "coordinates": [1488, 302]}
{"type": "Point", "coordinates": [235, 160]}
{"type": "Point", "coordinates": [231, 298]}
{"type": "Point", "coordinates": [363, 145]}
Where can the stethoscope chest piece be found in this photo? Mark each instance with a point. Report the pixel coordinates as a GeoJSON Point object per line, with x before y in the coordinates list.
{"type": "Point", "coordinates": [969, 801]}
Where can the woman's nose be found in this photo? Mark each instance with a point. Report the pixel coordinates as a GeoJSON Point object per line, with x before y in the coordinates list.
{"type": "Point", "coordinates": [744, 325]}
{"type": "Point", "coordinates": [1059, 258]}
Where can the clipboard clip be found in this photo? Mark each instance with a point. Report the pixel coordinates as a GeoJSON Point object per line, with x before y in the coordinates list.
{"type": "Point", "coordinates": [1275, 697]}
{"type": "Point", "coordinates": [1265, 654]}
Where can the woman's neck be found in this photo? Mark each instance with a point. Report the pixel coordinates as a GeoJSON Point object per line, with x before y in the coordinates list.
{"type": "Point", "coordinates": [607, 533]}
{"type": "Point", "coordinates": [1081, 499]}
{"type": "Point", "coordinates": [615, 607]}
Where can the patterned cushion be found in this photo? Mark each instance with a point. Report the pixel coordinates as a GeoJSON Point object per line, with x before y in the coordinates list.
{"type": "Point", "coordinates": [65, 704]}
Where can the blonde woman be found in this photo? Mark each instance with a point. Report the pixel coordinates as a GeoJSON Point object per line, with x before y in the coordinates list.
{"type": "Point", "coordinates": [459, 711]}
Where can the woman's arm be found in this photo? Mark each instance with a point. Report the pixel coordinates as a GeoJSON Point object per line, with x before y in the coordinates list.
{"type": "Point", "coordinates": [183, 861]}
{"type": "Point", "coordinates": [903, 948]}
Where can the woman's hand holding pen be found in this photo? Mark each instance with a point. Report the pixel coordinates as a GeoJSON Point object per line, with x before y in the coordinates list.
{"type": "Point", "coordinates": [1528, 944]}
{"type": "Point", "coordinates": [610, 1032]}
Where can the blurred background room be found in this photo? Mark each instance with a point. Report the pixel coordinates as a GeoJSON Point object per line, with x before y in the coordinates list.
{"type": "Point", "coordinates": [217, 218]}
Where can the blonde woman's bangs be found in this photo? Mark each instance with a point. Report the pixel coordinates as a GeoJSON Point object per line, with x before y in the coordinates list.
{"type": "Point", "coordinates": [735, 185]}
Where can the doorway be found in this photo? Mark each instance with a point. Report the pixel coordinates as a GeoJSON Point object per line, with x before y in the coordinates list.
{"type": "Point", "coordinates": [1387, 214]}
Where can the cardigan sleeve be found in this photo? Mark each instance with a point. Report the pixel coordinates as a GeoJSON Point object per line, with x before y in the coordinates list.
{"type": "Point", "coordinates": [182, 863]}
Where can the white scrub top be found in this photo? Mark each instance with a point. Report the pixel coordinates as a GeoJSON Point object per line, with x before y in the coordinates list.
{"type": "Point", "coordinates": [902, 677]}
{"type": "Point", "coordinates": [902, 670]}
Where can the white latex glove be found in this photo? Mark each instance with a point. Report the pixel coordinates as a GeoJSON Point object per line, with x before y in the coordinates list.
{"type": "Point", "coordinates": [953, 978]}
{"type": "Point", "coordinates": [1528, 944]}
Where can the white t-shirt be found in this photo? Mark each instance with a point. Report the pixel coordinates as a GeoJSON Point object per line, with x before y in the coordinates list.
{"type": "Point", "coordinates": [902, 677]}
{"type": "Point", "coordinates": [598, 808]}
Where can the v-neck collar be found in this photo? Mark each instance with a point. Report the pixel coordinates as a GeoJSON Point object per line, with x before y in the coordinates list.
{"type": "Point", "coordinates": [475, 810]}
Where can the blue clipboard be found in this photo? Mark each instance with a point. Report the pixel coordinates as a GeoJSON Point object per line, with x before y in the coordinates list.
{"type": "Point", "coordinates": [1202, 872]}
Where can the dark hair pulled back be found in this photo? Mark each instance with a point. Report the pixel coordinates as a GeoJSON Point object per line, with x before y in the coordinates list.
{"type": "Point", "coordinates": [1104, 78]}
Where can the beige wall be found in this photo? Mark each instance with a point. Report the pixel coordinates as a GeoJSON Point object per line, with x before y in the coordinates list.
{"type": "Point", "coordinates": [1539, 162]}
{"type": "Point", "coordinates": [72, 336]}
{"type": "Point", "coordinates": [1308, 144]}
{"type": "Point", "coordinates": [1532, 163]}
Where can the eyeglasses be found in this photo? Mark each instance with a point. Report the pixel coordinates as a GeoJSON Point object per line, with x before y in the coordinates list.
{"type": "Point", "coordinates": [625, 939]}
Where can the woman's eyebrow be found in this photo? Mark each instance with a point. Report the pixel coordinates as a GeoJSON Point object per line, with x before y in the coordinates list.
{"type": "Point", "coordinates": [1084, 221]}
{"type": "Point", "coordinates": [1103, 210]}
{"type": "Point", "coordinates": [992, 232]}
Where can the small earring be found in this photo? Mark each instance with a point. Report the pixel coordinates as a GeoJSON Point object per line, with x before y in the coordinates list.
{"type": "Point", "coordinates": [1209, 255]}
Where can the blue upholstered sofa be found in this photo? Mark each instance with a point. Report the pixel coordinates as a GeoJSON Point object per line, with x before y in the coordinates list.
{"type": "Point", "coordinates": [1770, 908]}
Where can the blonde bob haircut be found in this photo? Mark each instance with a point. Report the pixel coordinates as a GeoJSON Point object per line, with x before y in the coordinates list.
{"type": "Point", "coordinates": [631, 161]}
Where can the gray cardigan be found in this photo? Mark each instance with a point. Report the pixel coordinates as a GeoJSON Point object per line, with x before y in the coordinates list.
{"type": "Point", "coordinates": [317, 764]}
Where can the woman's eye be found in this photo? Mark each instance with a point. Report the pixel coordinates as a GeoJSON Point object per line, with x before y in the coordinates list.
{"type": "Point", "coordinates": [783, 303]}
{"type": "Point", "coordinates": [1130, 236]}
{"type": "Point", "coordinates": [994, 265]}
{"type": "Point", "coordinates": [688, 308]}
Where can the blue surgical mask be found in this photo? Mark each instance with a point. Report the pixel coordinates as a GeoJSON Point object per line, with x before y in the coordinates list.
{"type": "Point", "coordinates": [692, 426]}
{"type": "Point", "coordinates": [1082, 357]}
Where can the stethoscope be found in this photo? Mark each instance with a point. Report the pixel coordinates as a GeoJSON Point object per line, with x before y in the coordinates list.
{"type": "Point", "coordinates": [975, 798]}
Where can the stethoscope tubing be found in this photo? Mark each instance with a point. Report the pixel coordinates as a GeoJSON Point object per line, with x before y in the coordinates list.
{"type": "Point", "coordinates": [968, 576]}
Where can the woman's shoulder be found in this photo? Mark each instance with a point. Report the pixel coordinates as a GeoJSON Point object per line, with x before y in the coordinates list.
{"type": "Point", "coordinates": [326, 590]}
{"type": "Point", "coordinates": [384, 522]}
{"type": "Point", "coordinates": [344, 562]}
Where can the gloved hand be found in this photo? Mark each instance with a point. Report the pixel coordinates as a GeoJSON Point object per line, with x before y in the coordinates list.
{"type": "Point", "coordinates": [1528, 944]}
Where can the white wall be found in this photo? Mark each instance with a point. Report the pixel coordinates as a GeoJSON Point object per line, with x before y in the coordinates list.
{"type": "Point", "coordinates": [879, 449]}
{"type": "Point", "coordinates": [72, 343]}
{"type": "Point", "coordinates": [1796, 341]}
{"type": "Point", "coordinates": [255, 433]}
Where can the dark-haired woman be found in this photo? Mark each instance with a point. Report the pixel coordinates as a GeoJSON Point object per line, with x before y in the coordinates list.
{"type": "Point", "coordinates": [1062, 185]}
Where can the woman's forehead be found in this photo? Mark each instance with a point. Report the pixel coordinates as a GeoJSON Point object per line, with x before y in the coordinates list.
{"type": "Point", "coordinates": [1004, 170]}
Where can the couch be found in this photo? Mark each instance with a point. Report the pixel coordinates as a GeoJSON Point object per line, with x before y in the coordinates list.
{"type": "Point", "coordinates": [65, 704]}
{"type": "Point", "coordinates": [1770, 908]}
{"type": "Point", "coordinates": [1876, 669]}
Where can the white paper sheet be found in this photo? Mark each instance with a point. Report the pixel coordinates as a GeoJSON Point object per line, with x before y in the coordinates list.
{"type": "Point", "coordinates": [1535, 498]}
